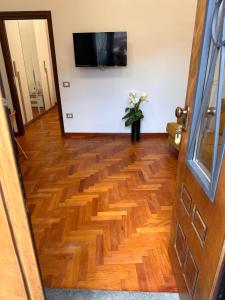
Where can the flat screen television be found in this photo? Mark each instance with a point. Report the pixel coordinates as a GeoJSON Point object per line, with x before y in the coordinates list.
{"type": "Point", "coordinates": [100, 49]}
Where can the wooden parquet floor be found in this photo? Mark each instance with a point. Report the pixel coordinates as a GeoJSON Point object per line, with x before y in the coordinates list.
{"type": "Point", "coordinates": [100, 208]}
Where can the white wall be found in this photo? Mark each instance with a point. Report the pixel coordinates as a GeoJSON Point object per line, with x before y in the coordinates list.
{"type": "Point", "coordinates": [159, 46]}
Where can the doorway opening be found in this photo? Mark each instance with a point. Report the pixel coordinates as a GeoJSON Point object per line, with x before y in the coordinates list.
{"type": "Point", "coordinates": [100, 207]}
{"type": "Point", "coordinates": [29, 56]}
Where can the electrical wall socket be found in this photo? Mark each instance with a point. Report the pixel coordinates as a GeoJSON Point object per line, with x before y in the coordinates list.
{"type": "Point", "coordinates": [69, 116]}
{"type": "Point", "coordinates": [66, 84]}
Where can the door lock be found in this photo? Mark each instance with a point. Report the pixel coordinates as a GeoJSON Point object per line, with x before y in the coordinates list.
{"type": "Point", "coordinates": [183, 114]}
{"type": "Point", "coordinates": [179, 112]}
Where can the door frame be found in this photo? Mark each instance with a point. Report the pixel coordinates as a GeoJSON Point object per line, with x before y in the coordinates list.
{"type": "Point", "coordinates": [28, 15]}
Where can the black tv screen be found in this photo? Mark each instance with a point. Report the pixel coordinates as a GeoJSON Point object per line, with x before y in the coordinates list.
{"type": "Point", "coordinates": [100, 49]}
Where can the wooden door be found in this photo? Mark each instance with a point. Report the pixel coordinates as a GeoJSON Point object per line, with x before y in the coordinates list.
{"type": "Point", "coordinates": [20, 276]}
{"type": "Point", "coordinates": [197, 245]}
{"type": "Point", "coordinates": [12, 286]}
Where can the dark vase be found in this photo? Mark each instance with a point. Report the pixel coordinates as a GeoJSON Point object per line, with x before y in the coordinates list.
{"type": "Point", "coordinates": [135, 130]}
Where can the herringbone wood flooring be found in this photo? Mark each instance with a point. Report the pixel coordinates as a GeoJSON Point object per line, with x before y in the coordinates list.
{"type": "Point", "coordinates": [100, 208]}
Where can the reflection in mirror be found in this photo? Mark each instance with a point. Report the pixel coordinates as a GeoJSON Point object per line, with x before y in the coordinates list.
{"type": "Point", "coordinates": [30, 55]}
{"type": "Point", "coordinates": [205, 139]}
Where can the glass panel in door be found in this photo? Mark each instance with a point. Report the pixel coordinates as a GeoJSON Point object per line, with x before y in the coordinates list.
{"type": "Point", "coordinates": [206, 134]}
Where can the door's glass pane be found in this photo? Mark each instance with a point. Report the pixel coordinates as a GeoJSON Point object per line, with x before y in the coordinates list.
{"type": "Point", "coordinates": [210, 53]}
{"type": "Point", "coordinates": [206, 134]}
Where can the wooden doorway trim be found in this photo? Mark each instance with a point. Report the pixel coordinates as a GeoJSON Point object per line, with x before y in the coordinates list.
{"type": "Point", "coordinates": [28, 15]}
{"type": "Point", "coordinates": [19, 259]}
{"type": "Point", "coordinates": [10, 76]}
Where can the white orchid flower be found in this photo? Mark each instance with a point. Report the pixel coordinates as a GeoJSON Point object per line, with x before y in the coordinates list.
{"type": "Point", "coordinates": [144, 96]}
{"type": "Point", "coordinates": [130, 99]}
{"type": "Point", "coordinates": [133, 93]}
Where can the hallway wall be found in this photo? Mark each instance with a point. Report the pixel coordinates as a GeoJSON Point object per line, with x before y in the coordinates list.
{"type": "Point", "coordinates": [159, 47]}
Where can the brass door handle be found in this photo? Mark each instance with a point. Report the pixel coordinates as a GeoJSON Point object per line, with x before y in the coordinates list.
{"type": "Point", "coordinates": [179, 112]}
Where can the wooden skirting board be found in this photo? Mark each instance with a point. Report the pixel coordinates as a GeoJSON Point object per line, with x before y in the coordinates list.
{"type": "Point", "coordinates": [113, 134]}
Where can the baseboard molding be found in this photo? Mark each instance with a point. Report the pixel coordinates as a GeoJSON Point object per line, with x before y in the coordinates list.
{"type": "Point", "coordinates": [114, 134]}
